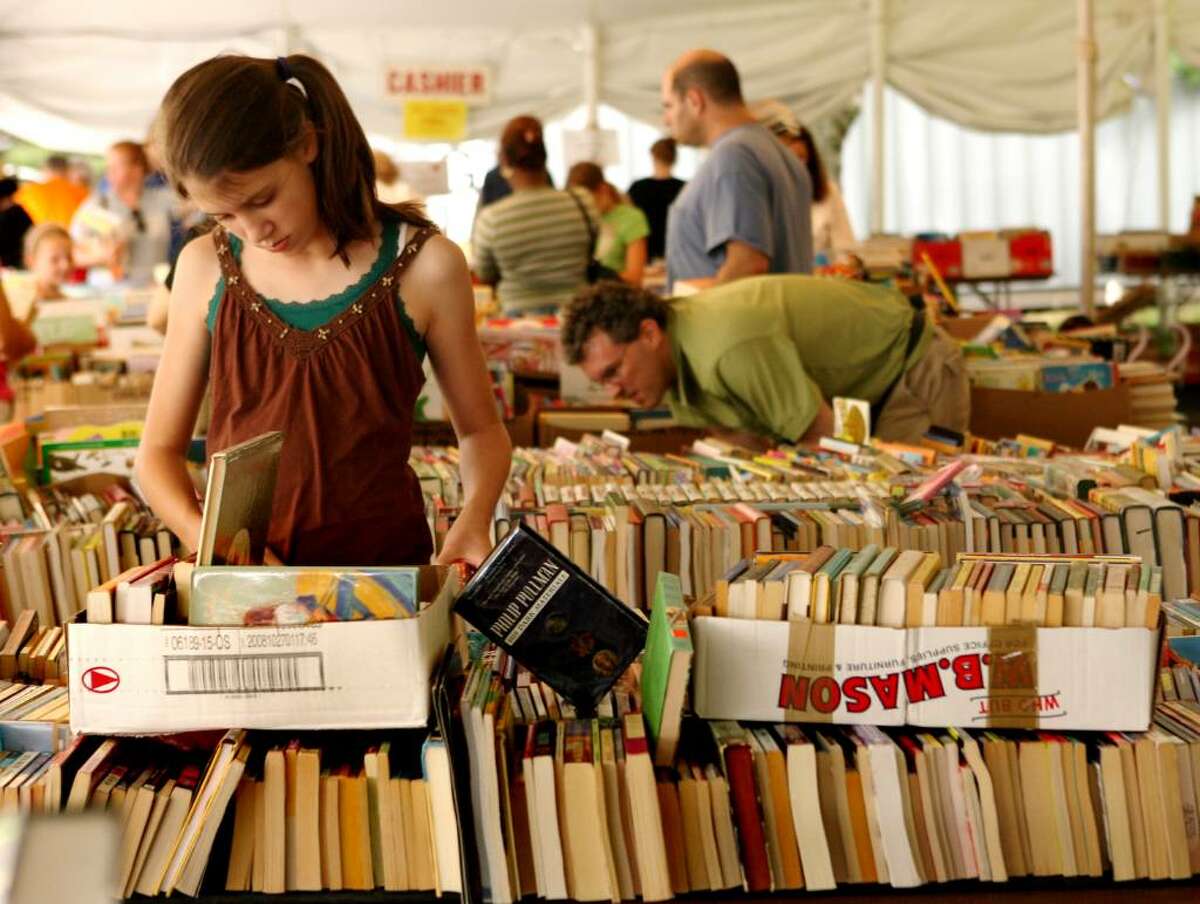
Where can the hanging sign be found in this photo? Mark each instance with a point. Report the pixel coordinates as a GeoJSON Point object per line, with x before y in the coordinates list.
{"type": "Point", "coordinates": [425, 178]}
{"type": "Point", "coordinates": [471, 84]}
{"type": "Point", "coordinates": [596, 145]}
{"type": "Point", "coordinates": [435, 120]}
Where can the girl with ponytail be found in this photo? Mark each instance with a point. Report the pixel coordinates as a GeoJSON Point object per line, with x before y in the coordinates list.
{"type": "Point", "coordinates": [309, 309]}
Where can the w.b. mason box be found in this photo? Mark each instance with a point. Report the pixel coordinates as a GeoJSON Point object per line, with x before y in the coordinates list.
{"type": "Point", "coordinates": [150, 679]}
{"type": "Point", "coordinates": [1012, 677]}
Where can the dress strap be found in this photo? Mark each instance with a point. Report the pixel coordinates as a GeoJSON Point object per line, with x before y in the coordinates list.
{"type": "Point", "coordinates": [225, 256]}
{"type": "Point", "coordinates": [411, 249]}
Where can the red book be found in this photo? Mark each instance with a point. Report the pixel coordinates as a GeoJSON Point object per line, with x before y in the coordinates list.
{"type": "Point", "coordinates": [739, 767]}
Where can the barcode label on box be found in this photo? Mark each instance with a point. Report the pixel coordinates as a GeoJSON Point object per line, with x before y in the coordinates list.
{"type": "Point", "coordinates": [264, 673]}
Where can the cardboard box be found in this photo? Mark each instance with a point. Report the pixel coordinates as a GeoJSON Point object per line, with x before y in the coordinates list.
{"type": "Point", "coordinates": [773, 671]}
{"type": "Point", "coordinates": [1013, 677]}
{"type": "Point", "coordinates": [946, 255]}
{"type": "Point", "coordinates": [985, 258]}
{"type": "Point", "coordinates": [1067, 418]}
{"type": "Point", "coordinates": [151, 679]}
{"type": "Point", "coordinates": [1060, 679]}
{"type": "Point", "coordinates": [1031, 253]}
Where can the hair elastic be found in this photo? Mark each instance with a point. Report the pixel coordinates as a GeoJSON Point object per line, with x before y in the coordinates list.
{"type": "Point", "coordinates": [286, 74]}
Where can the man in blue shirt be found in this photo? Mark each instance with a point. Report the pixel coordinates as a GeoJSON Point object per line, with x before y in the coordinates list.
{"type": "Point", "coordinates": [747, 211]}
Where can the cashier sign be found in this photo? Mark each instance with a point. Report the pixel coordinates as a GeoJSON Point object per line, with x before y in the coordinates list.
{"type": "Point", "coordinates": [470, 84]}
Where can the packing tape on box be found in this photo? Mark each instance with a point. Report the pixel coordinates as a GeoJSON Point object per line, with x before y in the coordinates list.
{"type": "Point", "coordinates": [1012, 677]}
{"type": "Point", "coordinates": [811, 649]}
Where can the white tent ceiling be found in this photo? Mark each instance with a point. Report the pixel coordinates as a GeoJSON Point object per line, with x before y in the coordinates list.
{"type": "Point", "coordinates": [77, 76]}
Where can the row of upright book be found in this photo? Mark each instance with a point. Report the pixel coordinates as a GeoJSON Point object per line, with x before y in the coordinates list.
{"type": "Point", "coordinates": [888, 588]}
{"type": "Point", "coordinates": [625, 517]}
{"type": "Point", "coordinates": [256, 811]}
{"type": "Point", "coordinates": [576, 807]}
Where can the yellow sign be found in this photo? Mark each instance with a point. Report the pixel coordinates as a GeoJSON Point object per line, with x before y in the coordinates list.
{"type": "Point", "coordinates": [435, 120]}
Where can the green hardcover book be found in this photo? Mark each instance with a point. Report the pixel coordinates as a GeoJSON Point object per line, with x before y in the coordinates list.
{"type": "Point", "coordinates": [823, 586]}
{"type": "Point", "coordinates": [1091, 589]}
{"type": "Point", "coordinates": [665, 668]}
{"type": "Point", "coordinates": [849, 585]}
{"type": "Point", "coordinates": [869, 594]}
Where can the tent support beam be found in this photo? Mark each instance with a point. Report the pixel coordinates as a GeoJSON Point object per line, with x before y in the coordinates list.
{"type": "Point", "coordinates": [878, 77]}
{"type": "Point", "coordinates": [591, 73]}
{"type": "Point", "coordinates": [1086, 83]}
{"type": "Point", "coordinates": [1162, 108]}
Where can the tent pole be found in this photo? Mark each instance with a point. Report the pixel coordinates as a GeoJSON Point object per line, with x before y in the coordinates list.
{"type": "Point", "coordinates": [878, 74]}
{"type": "Point", "coordinates": [591, 74]}
{"type": "Point", "coordinates": [1086, 79]}
{"type": "Point", "coordinates": [1162, 108]}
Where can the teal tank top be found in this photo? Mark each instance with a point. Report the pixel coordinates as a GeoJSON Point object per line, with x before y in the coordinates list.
{"type": "Point", "coordinates": [310, 315]}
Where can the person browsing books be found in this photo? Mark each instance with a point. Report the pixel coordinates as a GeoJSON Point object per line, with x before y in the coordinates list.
{"type": "Point", "coordinates": [831, 229]}
{"type": "Point", "coordinates": [765, 356]}
{"type": "Point", "coordinates": [746, 211]}
{"type": "Point", "coordinates": [621, 246]}
{"type": "Point", "coordinates": [534, 245]}
{"type": "Point", "coordinates": [271, 150]}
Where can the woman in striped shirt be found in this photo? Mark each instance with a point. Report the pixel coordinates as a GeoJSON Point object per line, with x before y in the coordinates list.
{"type": "Point", "coordinates": [533, 246]}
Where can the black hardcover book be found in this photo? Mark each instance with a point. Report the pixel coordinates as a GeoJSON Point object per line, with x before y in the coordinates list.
{"type": "Point", "coordinates": [531, 600]}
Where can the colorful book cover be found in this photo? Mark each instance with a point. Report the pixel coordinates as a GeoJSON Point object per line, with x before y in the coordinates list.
{"type": "Point", "coordinates": [852, 420]}
{"type": "Point", "coordinates": [229, 596]}
{"type": "Point", "coordinates": [66, 461]}
{"type": "Point", "coordinates": [1077, 376]}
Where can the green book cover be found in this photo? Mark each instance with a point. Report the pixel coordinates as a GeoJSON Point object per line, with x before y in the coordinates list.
{"type": "Point", "coordinates": [1058, 583]}
{"type": "Point", "coordinates": [861, 562]}
{"type": "Point", "coordinates": [881, 562]}
{"type": "Point", "coordinates": [668, 637]}
{"type": "Point", "coordinates": [835, 563]}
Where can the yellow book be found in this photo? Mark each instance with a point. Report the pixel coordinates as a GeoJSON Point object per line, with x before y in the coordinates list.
{"type": "Point", "coordinates": [915, 591]}
{"type": "Point", "coordinates": [1028, 613]}
{"type": "Point", "coordinates": [950, 600]}
{"type": "Point", "coordinates": [1015, 593]}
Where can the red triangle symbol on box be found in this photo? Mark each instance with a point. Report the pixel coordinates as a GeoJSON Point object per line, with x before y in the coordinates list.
{"type": "Point", "coordinates": [101, 680]}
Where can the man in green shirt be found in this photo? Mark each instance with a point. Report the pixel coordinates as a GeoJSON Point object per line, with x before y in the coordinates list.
{"type": "Point", "coordinates": [765, 355]}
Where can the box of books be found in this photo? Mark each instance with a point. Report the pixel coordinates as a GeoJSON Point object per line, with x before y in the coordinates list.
{"type": "Point", "coordinates": [321, 671]}
{"type": "Point", "coordinates": [1069, 679]}
{"type": "Point", "coordinates": [798, 671]}
{"type": "Point", "coordinates": [1057, 679]}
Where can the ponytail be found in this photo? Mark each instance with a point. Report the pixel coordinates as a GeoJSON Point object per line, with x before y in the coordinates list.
{"type": "Point", "coordinates": [232, 114]}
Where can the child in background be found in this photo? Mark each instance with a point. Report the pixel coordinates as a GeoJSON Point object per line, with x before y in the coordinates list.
{"type": "Point", "coordinates": [309, 310]}
{"type": "Point", "coordinates": [48, 257]}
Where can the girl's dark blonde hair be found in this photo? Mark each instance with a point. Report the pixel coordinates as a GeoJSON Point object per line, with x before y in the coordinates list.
{"type": "Point", "coordinates": [232, 114]}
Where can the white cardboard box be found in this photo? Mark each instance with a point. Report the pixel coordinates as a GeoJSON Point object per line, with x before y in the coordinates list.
{"type": "Point", "coordinates": [1079, 678]}
{"type": "Point", "coordinates": [986, 258]}
{"type": "Point", "coordinates": [150, 679]}
{"type": "Point", "coordinates": [740, 670]}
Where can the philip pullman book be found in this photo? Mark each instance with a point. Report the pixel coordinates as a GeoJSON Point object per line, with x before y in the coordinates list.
{"type": "Point", "coordinates": [532, 601]}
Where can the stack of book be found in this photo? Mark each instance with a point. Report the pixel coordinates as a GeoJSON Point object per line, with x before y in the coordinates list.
{"type": "Point", "coordinates": [71, 544]}
{"type": "Point", "coordinates": [889, 588]}
{"type": "Point", "coordinates": [32, 652]}
{"type": "Point", "coordinates": [572, 807]}
{"type": "Point", "coordinates": [333, 813]}
{"type": "Point", "coordinates": [354, 811]}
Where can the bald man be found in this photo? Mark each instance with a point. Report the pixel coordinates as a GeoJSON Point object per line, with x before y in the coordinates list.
{"type": "Point", "coordinates": [747, 211]}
